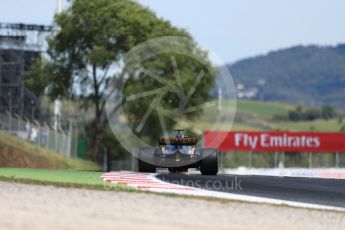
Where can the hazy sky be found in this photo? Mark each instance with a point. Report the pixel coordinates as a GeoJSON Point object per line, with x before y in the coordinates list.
{"type": "Point", "coordinates": [232, 29]}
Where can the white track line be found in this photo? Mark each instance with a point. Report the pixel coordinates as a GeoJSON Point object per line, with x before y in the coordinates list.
{"type": "Point", "coordinates": [327, 173]}
{"type": "Point", "coordinates": [149, 182]}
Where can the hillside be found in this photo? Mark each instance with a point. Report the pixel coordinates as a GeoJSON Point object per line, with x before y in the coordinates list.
{"type": "Point", "coordinates": [260, 115]}
{"type": "Point", "coordinates": [309, 75]}
{"type": "Point", "coordinates": [17, 153]}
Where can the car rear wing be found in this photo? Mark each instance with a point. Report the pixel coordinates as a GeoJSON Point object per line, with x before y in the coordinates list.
{"type": "Point", "coordinates": [177, 141]}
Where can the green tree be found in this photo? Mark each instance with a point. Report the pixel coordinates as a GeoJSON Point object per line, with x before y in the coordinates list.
{"type": "Point", "coordinates": [37, 77]}
{"type": "Point", "coordinates": [312, 114]}
{"type": "Point", "coordinates": [328, 112]}
{"type": "Point", "coordinates": [92, 38]}
{"type": "Point", "coordinates": [297, 114]}
{"type": "Point", "coordinates": [170, 101]}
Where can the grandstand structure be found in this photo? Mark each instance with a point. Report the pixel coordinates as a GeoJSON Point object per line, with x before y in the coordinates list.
{"type": "Point", "coordinates": [20, 45]}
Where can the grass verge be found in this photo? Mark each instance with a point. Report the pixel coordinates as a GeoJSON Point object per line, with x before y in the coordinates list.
{"type": "Point", "coordinates": [15, 152]}
{"type": "Point", "coordinates": [61, 178]}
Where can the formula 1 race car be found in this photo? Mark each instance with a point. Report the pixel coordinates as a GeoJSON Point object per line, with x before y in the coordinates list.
{"type": "Point", "coordinates": [178, 154]}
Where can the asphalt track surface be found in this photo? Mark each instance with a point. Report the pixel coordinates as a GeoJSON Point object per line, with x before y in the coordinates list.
{"type": "Point", "coordinates": [329, 192]}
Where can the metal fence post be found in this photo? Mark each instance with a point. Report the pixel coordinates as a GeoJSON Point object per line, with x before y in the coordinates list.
{"type": "Point", "coordinates": [19, 126]}
{"type": "Point", "coordinates": [55, 141]}
{"type": "Point", "coordinates": [48, 139]}
{"type": "Point", "coordinates": [107, 160]}
{"type": "Point", "coordinates": [337, 159]}
{"type": "Point", "coordinates": [38, 133]}
{"type": "Point", "coordinates": [310, 160]}
{"type": "Point", "coordinates": [63, 150]}
{"type": "Point", "coordinates": [64, 141]}
{"type": "Point", "coordinates": [283, 159]}
{"type": "Point", "coordinates": [70, 133]}
{"type": "Point", "coordinates": [9, 121]}
{"type": "Point", "coordinates": [10, 111]}
{"type": "Point", "coordinates": [250, 163]}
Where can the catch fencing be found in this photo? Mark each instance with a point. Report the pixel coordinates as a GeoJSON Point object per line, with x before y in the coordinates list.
{"type": "Point", "coordinates": [43, 135]}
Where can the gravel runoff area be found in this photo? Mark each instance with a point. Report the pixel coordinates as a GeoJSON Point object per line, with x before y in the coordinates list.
{"type": "Point", "coordinates": [46, 207]}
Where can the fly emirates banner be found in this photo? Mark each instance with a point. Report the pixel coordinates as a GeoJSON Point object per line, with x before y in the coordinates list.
{"type": "Point", "coordinates": [275, 141]}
